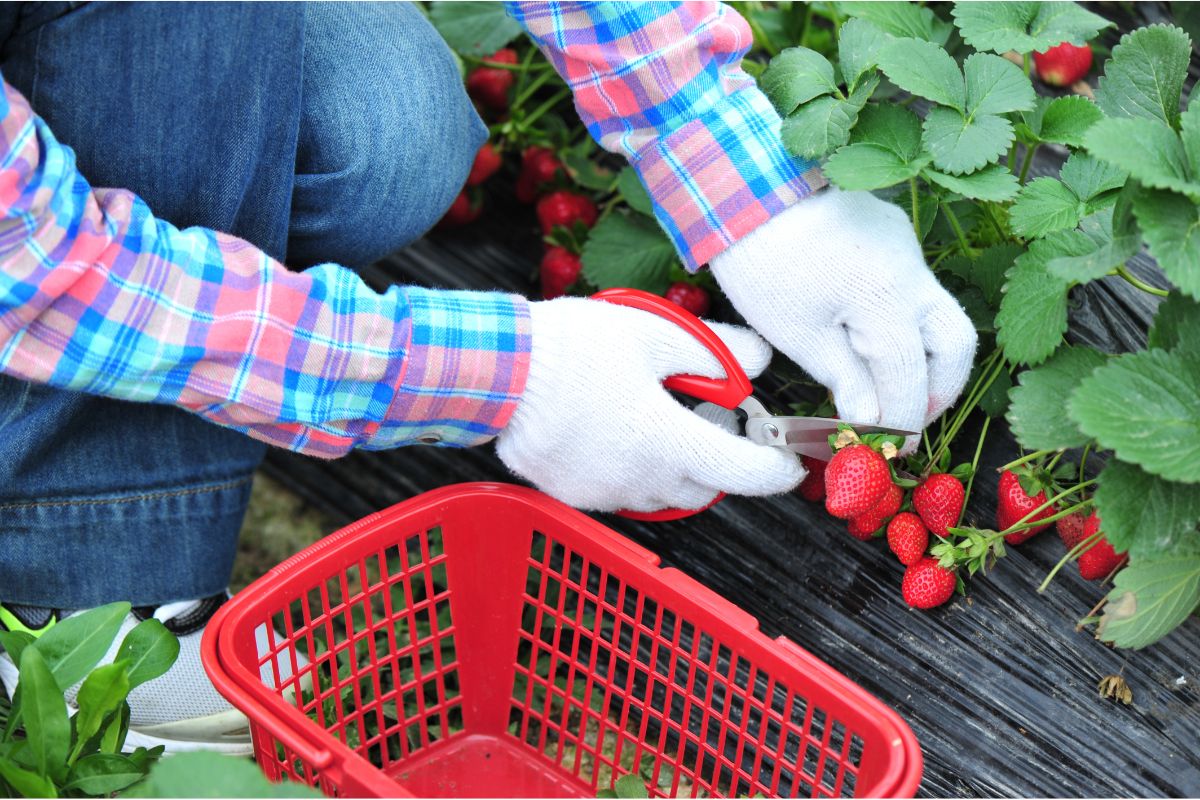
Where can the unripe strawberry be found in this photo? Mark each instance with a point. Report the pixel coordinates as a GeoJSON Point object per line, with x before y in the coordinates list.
{"type": "Point", "coordinates": [487, 161]}
{"type": "Point", "coordinates": [1013, 504]}
{"type": "Point", "coordinates": [856, 479]}
{"type": "Point", "coordinates": [926, 584]}
{"type": "Point", "coordinates": [559, 269]}
{"type": "Point", "coordinates": [939, 502]}
{"type": "Point", "coordinates": [907, 537]}
{"type": "Point", "coordinates": [1100, 559]}
{"type": "Point", "coordinates": [689, 297]}
{"type": "Point", "coordinates": [1063, 64]}
{"type": "Point", "coordinates": [812, 488]}
{"type": "Point", "coordinates": [565, 208]}
{"type": "Point", "coordinates": [490, 85]}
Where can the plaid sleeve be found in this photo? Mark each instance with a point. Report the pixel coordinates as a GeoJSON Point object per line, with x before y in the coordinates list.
{"type": "Point", "coordinates": [662, 84]}
{"type": "Point", "coordinates": [96, 295]}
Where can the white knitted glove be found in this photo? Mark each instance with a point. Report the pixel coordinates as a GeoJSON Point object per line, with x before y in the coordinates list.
{"type": "Point", "coordinates": [839, 284]}
{"type": "Point", "coordinates": [596, 429]}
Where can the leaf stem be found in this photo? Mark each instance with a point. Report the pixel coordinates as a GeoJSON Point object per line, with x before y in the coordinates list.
{"type": "Point", "coordinates": [550, 103]}
{"type": "Point", "coordinates": [533, 86]}
{"type": "Point", "coordinates": [974, 466]}
{"type": "Point", "coordinates": [916, 207]}
{"type": "Point", "coordinates": [1124, 272]}
{"type": "Point", "coordinates": [1027, 64]}
{"type": "Point", "coordinates": [1083, 459]}
{"type": "Point", "coordinates": [987, 376]}
{"type": "Point", "coordinates": [952, 218]}
{"type": "Point", "coordinates": [1026, 459]}
{"type": "Point", "coordinates": [1027, 521]}
{"type": "Point", "coordinates": [1073, 553]}
{"type": "Point", "coordinates": [1027, 163]}
{"type": "Point", "coordinates": [1054, 461]}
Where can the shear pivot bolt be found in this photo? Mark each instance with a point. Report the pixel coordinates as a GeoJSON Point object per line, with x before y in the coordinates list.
{"type": "Point", "coordinates": [771, 430]}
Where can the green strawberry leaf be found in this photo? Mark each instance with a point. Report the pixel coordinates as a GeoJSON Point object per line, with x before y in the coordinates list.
{"type": "Point", "coordinates": [630, 786]}
{"type": "Point", "coordinates": [635, 194]}
{"type": "Point", "coordinates": [996, 86]}
{"type": "Point", "coordinates": [1037, 415]}
{"type": "Point", "coordinates": [823, 125]}
{"type": "Point", "coordinates": [987, 270]}
{"type": "Point", "coordinates": [1033, 311]}
{"type": "Point", "coordinates": [995, 401]}
{"type": "Point", "coordinates": [994, 182]}
{"type": "Point", "coordinates": [1067, 119]}
{"type": "Point", "coordinates": [1176, 325]}
{"type": "Point", "coordinates": [1144, 514]}
{"type": "Point", "coordinates": [1149, 599]}
{"type": "Point", "coordinates": [924, 69]}
{"type": "Point", "coordinates": [796, 76]}
{"type": "Point", "coordinates": [628, 250]}
{"type": "Point", "coordinates": [1145, 74]}
{"type": "Point", "coordinates": [1143, 405]}
{"type": "Point", "coordinates": [1025, 26]}
{"type": "Point", "coordinates": [1171, 226]}
{"type": "Point", "coordinates": [858, 49]}
{"type": "Point", "coordinates": [868, 166]}
{"type": "Point", "coordinates": [965, 144]}
{"type": "Point", "coordinates": [905, 20]}
{"type": "Point", "coordinates": [1043, 206]}
{"type": "Point", "coordinates": [890, 126]}
{"type": "Point", "coordinates": [1089, 179]}
{"type": "Point", "coordinates": [1148, 149]}
{"type": "Point", "coordinates": [474, 28]}
{"type": "Point", "coordinates": [1112, 247]}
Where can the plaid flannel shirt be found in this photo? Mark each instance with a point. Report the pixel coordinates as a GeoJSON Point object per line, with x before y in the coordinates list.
{"type": "Point", "coordinates": [662, 84]}
{"type": "Point", "coordinates": [98, 295]}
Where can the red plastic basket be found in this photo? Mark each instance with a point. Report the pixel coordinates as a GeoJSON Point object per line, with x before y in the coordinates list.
{"type": "Point", "coordinates": [486, 640]}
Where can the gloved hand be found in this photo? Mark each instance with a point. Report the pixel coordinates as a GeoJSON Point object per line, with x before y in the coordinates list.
{"type": "Point", "coordinates": [596, 429]}
{"type": "Point", "coordinates": [838, 283]}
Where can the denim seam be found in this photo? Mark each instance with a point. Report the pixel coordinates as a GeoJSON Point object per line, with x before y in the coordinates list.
{"type": "Point", "coordinates": [133, 498]}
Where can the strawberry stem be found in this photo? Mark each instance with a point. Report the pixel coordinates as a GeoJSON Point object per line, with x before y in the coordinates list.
{"type": "Point", "coordinates": [550, 103]}
{"type": "Point", "coordinates": [1083, 459]}
{"type": "Point", "coordinates": [916, 207]}
{"type": "Point", "coordinates": [988, 372]}
{"type": "Point", "coordinates": [974, 465]}
{"type": "Point", "coordinates": [1028, 520]}
{"type": "Point", "coordinates": [952, 218]}
{"type": "Point", "coordinates": [1145, 287]}
{"type": "Point", "coordinates": [1076, 551]}
{"type": "Point", "coordinates": [1026, 459]}
{"type": "Point", "coordinates": [1027, 163]}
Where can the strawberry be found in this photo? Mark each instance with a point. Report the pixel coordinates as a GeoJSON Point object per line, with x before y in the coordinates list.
{"type": "Point", "coordinates": [1063, 64]}
{"type": "Point", "coordinates": [1070, 529]}
{"type": "Point", "coordinates": [489, 85]}
{"type": "Point", "coordinates": [560, 268]}
{"type": "Point", "coordinates": [689, 297]}
{"type": "Point", "coordinates": [464, 209]}
{"type": "Point", "coordinates": [539, 166]}
{"type": "Point", "coordinates": [926, 584]}
{"type": "Point", "coordinates": [939, 502]}
{"type": "Point", "coordinates": [565, 208]}
{"type": "Point", "coordinates": [1014, 503]}
{"type": "Point", "coordinates": [863, 526]}
{"type": "Point", "coordinates": [1099, 559]}
{"type": "Point", "coordinates": [907, 537]}
{"type": "Point", "coordinates": [856, 479]}
{"type": "Point", "coordinates": [487, 161]}
{"type": "Point", "coordinates": [812, 488]}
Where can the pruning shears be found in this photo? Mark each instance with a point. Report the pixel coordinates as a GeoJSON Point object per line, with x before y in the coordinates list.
{"type": "Point", "coordinates": [805, 435]}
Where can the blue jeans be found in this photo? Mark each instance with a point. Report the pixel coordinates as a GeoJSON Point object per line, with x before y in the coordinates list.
{"type": "Point", "coordinates": [318, 132]}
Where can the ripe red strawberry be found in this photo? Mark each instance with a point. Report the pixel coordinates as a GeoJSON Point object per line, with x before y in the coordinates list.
{"type": "Point", "coordinates": [689, 297]}
{"type": "Point", "coordinates": [565, 208]}
{"type": "Point", "coordinates": [560, 268]}
{"type": "Point", "coordinates": [812, 488]}
{"type": "Point", "coordinates": [1100, 559]}
{"type": "Point", "coordinates": [1013, 504]}
{"type": "Point", "coordinates": [926, 585]}
{"type": "Point", "coordinates": [1063, 64]}
{"type": "Point", "coordinates": [539, 166]}
{"type": "Point", "coordinates": [856, 479]}
{"type": "Point", "coordinates": [487, 161]}
{"type": "Point", "coordinates": [1070, 529]}
{"type": "Point", "coordinates": [907, 537]}
{"type": "Point", "coordinates": [464, 209]}
{"type": "Point", "coordinates": [863, 526]}
{"type": "Point", "coordinates": [490, 85]}
{"type": "Point", "coordinates": [939, 501]}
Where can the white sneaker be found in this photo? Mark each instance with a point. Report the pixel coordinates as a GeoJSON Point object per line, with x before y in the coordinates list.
{"type": "Point", "coordinates": [180, 709]}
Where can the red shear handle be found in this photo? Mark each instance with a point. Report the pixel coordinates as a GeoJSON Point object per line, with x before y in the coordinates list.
{"type": "Point", "coordinates": [727, 392]}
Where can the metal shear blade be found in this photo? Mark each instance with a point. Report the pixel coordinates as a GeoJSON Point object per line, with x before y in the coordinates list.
{"type": "Point", "coordinates": [805, 435]}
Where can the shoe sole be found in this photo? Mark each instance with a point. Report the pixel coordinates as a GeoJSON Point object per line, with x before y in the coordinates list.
{"type": "Point", "coordinates": [238, 744]}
